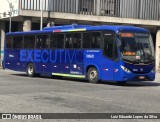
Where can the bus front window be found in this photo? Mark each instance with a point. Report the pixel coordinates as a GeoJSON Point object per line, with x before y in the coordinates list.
{"type": "Point", "coordinates": [137, 48]}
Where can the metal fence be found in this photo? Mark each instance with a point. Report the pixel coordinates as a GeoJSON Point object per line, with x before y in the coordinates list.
{"type": "Point", "coordinates": [139, 9]}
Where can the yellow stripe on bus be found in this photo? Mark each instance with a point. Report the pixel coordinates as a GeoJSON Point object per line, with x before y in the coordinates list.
{"type": "Point", "coordinates": [74, 30]}
{"type": "Point", "coordinates": [68, 75]}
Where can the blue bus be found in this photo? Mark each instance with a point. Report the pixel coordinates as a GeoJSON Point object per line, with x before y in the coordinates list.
{"type": "Point", "coordinates": [95, 53]}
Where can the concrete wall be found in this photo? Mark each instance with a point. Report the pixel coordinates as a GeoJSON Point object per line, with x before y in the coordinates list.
{"type": "Point", "coordinates": [2, 38]}
{"type": "Point", "coordinates": [138, 9]}
{"type": "Point", "coordinates": [90, 18]}
{"type": "Point", "coordinates": [158, 51]}
{"type": "Point", "coordinates": [5, 8]}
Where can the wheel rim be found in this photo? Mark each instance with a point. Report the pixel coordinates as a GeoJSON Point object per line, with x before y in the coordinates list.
{"type": "Point", "coordinates": [93, 74]}
{"type": "Point", "coordinates": [30, 70]}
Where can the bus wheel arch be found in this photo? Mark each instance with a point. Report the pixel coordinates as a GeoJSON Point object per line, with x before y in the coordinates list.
{"type": "Point", "coordinates": [30, 69]}
{"type": "Point", "coordinates": [92, 74]}
{"type": "Point", "coordinates": [3, 64]}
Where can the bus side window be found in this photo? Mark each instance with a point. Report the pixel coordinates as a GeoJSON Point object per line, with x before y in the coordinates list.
{"type": "Point", "coordinates": [53, 41]}
{"type": "Point", "coordinates": [69, 41]}
{"type": "Point", "coordinates": [32, 42]}
{"type": "Point", "coordinates": [38, 42]}
{"type": "Point", "coordinates": [110, 48]}
{"type": "Point", "coordinates": [96, 40]}
{"type": "Point", "coordinates": [87, 37]}
{"type": "Point", "coordinates": [77, 40]}
{"type": "Point", "coordinates": [60, 40]}
{"type": "Point", "coordinates": [46, 41]}
{"type": "Point", "coordinates": [18, 42]}
{"type": "Point", "coordinates": [42, 41]}
{"type": "Point", "coordinates": [29, 42]}
{"type": "Point", "coordinates": [73, 40]}
{"type": "Point", "coordinates": [9, 42]}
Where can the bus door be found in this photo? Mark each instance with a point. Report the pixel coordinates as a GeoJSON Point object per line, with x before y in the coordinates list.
{"type": "Point", "coordinates": [110, 55]}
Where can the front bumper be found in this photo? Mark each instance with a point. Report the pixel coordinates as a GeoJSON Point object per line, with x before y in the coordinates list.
{"type": "Point", "coordinates": [137, 77]}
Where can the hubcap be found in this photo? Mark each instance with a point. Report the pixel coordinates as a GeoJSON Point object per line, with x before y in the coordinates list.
{"type": "Point", "coordinates": [93, 74]}
{"type": "Point", "coordinates": [30, 70]}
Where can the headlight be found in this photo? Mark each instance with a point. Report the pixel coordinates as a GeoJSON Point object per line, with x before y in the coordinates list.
{"type": "Point", "coordinates": [125, 69]}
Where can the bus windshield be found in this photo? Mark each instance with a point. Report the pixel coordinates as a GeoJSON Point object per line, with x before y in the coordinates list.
{"type": "Point", "coordinates": [136, 48]}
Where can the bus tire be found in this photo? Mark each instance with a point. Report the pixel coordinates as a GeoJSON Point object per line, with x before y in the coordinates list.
{"type": "Point", "coordinates": [30, 70]}
{"type": "Point", "coordinates": [92, 75]}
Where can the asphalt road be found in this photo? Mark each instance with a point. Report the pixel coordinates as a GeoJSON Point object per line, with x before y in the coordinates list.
{"type": "Point", "coordinates": [21, 94]}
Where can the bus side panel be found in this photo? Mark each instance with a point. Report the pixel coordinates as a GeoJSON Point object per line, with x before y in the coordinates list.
{"type": "Point", "coordinates": [12, 60]}
{"type": "Point", "coordinates": [107, 69]}
{"type": "Point", "coordinates": [60, 61]}
{"type": "Point", "coordinates": [50, 62]}
{"type": "Point", "coordinates": [76, 61]}
{"type": "Point", "coordinates": [103, 64]}
{"type": "Point", "coordinates": [92, 58]}
{"type": "Point", "coordinates": [9, 59]}
{"type": "Point", "coordinates": [117, 72]}
{"type": "Point", "coordinates": [64, 61]}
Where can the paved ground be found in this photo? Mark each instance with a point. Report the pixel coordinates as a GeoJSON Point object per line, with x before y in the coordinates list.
{"type": "Point", "coordinates": [20, 94]}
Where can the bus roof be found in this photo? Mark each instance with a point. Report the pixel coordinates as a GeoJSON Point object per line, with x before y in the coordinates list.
{"type": "Point", "coordinates": [76, 28]}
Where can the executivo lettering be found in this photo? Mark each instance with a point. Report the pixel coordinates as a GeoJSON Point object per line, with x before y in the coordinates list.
{"type": "Point", "coordinates": [52, 56]}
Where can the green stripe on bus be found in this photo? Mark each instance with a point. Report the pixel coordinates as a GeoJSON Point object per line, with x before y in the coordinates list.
{"type": "Point", "coordinates": [69, 75]}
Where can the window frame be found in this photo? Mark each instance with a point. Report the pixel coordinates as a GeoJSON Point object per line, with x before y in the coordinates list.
{"type": "Point", "coordinates": [22, 41]}
{"type": "Point", "coordinates": [101, 46]}
{"type": "Point", "coordinates": [41, 43]}
{"type": "Point", "coordinates": [72, 33]}
{"type": "Point", "coordinates": [34, 41]}
{"type": "Point", "coordinates": [50, 41]}
{"type": "Point", "coordinates": [100, 42]}
{"type": "Point", "coordinates": [63, 41]}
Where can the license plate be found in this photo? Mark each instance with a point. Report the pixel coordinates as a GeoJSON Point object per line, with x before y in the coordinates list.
{"type": "Point", "coordinates": [141, 77]}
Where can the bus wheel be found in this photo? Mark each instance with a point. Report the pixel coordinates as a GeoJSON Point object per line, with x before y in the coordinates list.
{"type": "Point", "coordinates": [30, 70]}
{"type": "Point", "coordinates": [92, 75]}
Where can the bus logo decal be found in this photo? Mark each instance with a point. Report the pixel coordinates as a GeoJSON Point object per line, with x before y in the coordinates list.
{"type": "Point", "coordinates": [52, 56]}
{"type": "Point", "coordinates": [90, 56]}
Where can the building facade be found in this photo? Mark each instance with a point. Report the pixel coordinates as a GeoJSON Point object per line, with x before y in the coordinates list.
{"type": "Point", "coordinates": [26, 15]}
